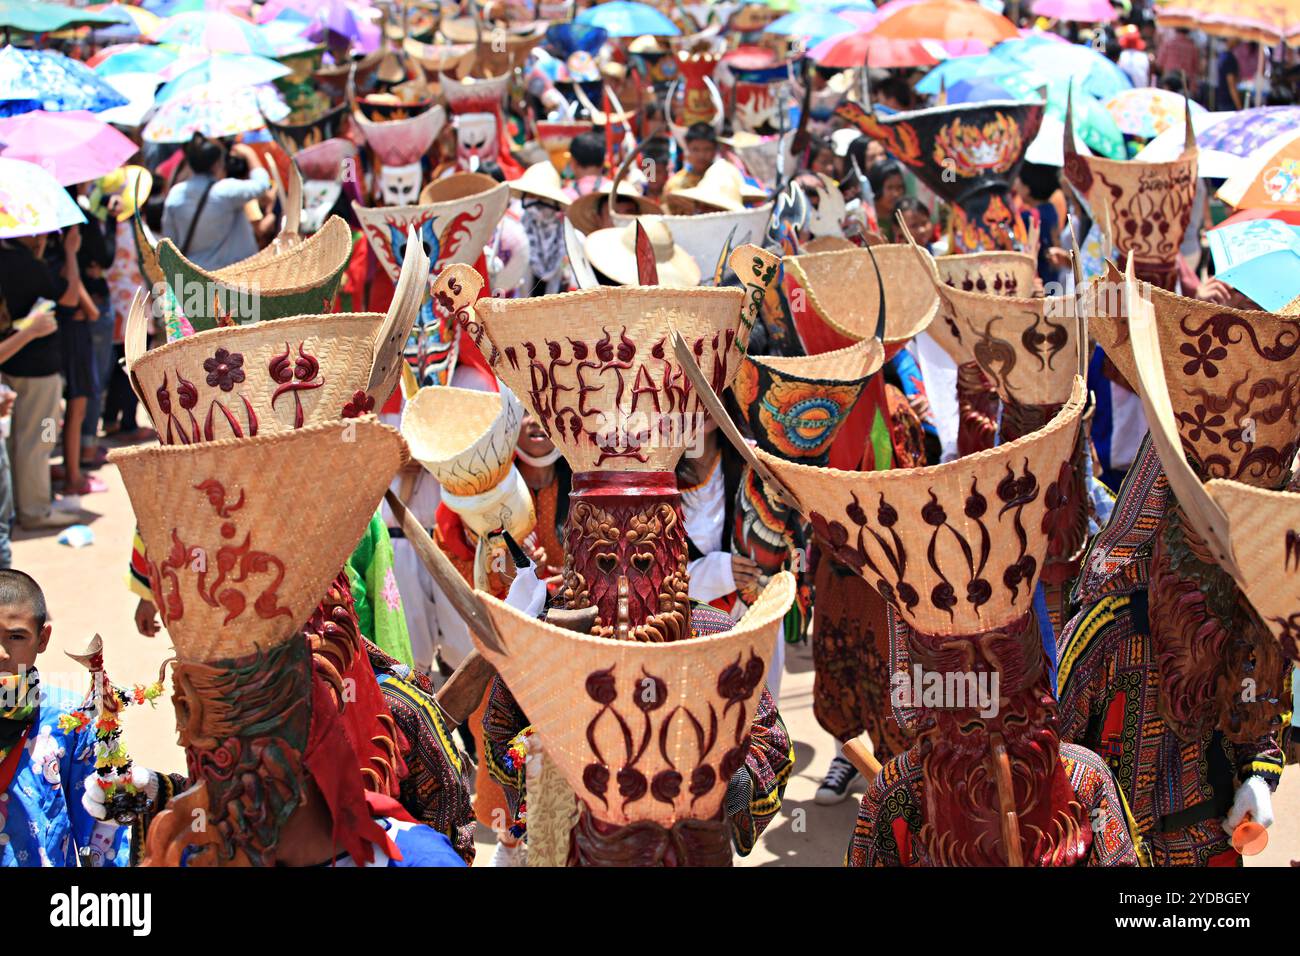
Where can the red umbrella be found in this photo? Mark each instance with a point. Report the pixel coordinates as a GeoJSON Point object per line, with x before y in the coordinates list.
{"type": "Point", "coordinates": [859, 48]}
{"type": "Point", "coordinates": [73, 147]}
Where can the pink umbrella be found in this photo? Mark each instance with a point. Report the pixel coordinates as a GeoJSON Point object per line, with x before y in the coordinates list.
{"type": "Point", "coordinates": [1079, 11]}
{"type": "Point", "coordinates": [73, 147]}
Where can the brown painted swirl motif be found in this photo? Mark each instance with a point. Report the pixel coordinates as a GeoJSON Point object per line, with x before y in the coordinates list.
{"type": "Point", "coordinates": [978, 590]}
{"type": "Point", "coordinates": [647, 695]}
{"type": "Point", "coordinates": [756, 285]}
{"type": "Point", "coordinates": [1015, 493]}
{"type": "Point", "coordinates": [1150, 215]}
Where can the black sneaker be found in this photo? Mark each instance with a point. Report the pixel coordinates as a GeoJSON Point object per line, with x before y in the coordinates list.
{"type": "Point", "coordinates": [836, 784]}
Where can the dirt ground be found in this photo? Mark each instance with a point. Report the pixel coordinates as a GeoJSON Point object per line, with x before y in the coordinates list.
{"type": "Point", "coordinates": [87, 594]}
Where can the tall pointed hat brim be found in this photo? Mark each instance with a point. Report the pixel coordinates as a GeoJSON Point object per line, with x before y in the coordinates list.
{"type": "Point", "coordinates": [956, 548]}
{"type": "Point", "coordinates": [642, 731]}
{"type": "Point", "coordinates": [244, 535]}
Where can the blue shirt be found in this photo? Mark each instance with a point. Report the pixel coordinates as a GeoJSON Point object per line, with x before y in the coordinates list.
{"type": "Point", "coordinates": [42, 821]}
{"type": "Point", "coordinates": [419, 845]}
{"type": "Point", "coordinates": [223, 234]}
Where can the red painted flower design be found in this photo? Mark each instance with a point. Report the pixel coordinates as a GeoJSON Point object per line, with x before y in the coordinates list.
{"type": "Point", "coordinates": [1202, 355]}
{"type": "Point", "coordinates": [225, 369]}
{"type": "Point", "coordinates": [361, 404]}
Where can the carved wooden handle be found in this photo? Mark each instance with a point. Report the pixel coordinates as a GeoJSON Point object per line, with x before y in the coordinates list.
{"type": "Point", "coordinates": [857, 752]}
{"type": "Point", "coordinates": [460, 696]}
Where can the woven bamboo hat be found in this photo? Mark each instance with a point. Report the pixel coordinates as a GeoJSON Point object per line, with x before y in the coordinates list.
{"type": "Point", "coordinates": [298, 279]}
{"type": "Point", "coordinates": [1143, 208]}
{"type": "Point", "coordinates": [702, 236]}
{"type": "Point", "coordinates": [990, 273]}
{"type": "Point", "coordinates": [1028, 346]}
{"type": "Point", "coordinates": [613, 252]}
{"type": "Point", "coordinates": [273, 376]}
{"type": "Point", "coordinates": [955, 548]}
{"type": "Point", "coordinates": [437, 58]}
{"type": "Point", "coordinates": [1231, 377]}
{"type": "Point", "coordinates": [1249, 531]}
{"type": "Point", "coordinates": [465, 438]}
{"type": "Point", "coordinates": [835, 298]}
{"type": "Point", "coordinates": [795, 405]}
{"type": "Point", "coordinates": [605, 383]}
{"type": "Point", "coordinates": [244, 536]}
{"type": "Point", "coordinates": [690, 703]}
{"type": "Point", "coordinates": [455, 219]}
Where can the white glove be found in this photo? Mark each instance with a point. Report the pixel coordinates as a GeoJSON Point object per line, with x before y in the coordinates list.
{"type": "Point", "coordinates": [527, 592]}
{"type": "Point", "coordinates": [95, 802]}
{"type": "Point", "coordinates": [1252, 797]}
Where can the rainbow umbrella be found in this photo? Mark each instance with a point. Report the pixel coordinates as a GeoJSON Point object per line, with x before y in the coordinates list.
{"type": "Point", "coordinates": [73, 147]}
{"type": "Point", "coordinates": [1269, 178]}
{"type": "Point", "coordinates": [1146, 112]}
{"type": "Point", "coordinates": [32, 202]}
{"type": "Point", "coordinates": [1077, 11]}
{"type": "Point", "coordinates": [212, 111]}
{"type": "Point", "coordinates": [624, 18]}
{"type": "Point", "coordinates": [43, 79]}
{"type": "Point", "coordinates": [224, 70]}
{"type": "Point", "coordinates": [132, 58]}
{"type": "Point", "coordinates": [217, 32]}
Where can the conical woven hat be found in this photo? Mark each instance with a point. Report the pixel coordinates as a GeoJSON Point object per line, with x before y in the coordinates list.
{"type": "Point", "coordinates": [835, 299]}
{"type": "Point", "coordinates": [796, 404]}
{"type": "Point", "coordinates": [596, 368]}
{"type": "Point", "coordinates": [956, 548]}
{"type": "Point", "coordinates": [403, 141]}
{"type": "Point", "coordinates": [1233, 377]}
{"type": "Point", "coordinates": [243, 536]}
{"type": "Point", "coordinates": [272, 376]}
{"type": "Point", "coordinates": [991, 273]}
{"type": "Point", "coordinates": [1144, 208]}
{"type": "Point", "coordinates": [1028, 346]}
{"type": "Point", "coordinates": [298, 281]}
{"type": "Point", "coordinates": [701, 237]}
{"type": "Point", "coordinates": [1264, 532]}
{"type": "Point", "coordinates": [642, 731]}
{"type": "Point", "coordinates": [465, 438]}
{"type": "Point", "coordinates": [454, 228]}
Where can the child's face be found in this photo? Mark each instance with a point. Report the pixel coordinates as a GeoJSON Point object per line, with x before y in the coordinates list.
{"type": "Point", "coordinates": [20, 639]}
{"type": "Point", "coordinates": [918, 223]}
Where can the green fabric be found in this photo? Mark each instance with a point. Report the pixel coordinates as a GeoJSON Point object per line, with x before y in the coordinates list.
{"type": "Point", "coordinates": [374, 592]}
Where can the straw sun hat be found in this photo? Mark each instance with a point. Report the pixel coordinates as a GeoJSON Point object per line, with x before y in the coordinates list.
{"type": "Point", "coordinates": [542, 181]}
{"type": "Point", "coordinates": [584, 211]}
{"type": "Point", "coordinates": [613, 252]}
{"type": "Point", "coordinates": [720, 188]}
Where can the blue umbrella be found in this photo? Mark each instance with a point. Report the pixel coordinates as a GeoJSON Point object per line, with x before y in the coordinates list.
{"type": "Point", "coordinates": [137, 58]}
{"type": "Point", "coordinates": [224, 69]}
{"type": "Point", "coordinates": [979, 89]}
{"type": "Point", "coordinates": [1095, 75]}
{"type": "Point", "coordinates": [815, 25]}
{"type": "Point", "coordinates": [43, 79]}
{"type": "Point", "coordinates": [628, 19]}
{"type": "Point", "coordinates": [950, 72]}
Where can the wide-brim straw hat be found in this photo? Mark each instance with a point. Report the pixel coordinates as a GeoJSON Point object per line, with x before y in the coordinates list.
{"type": "Point", "coordinates": [1028, 346]}
{"type": "Point", "coordinates": [463, 437]}
{"type": "Point", "coordinates": [613, 252]}
{"type": "Point", "coordinates": [543, 181]}
{"type": "Point", "coordinates": [259, 506]}
{"type": "Point", "coordinates": [581, 693]}
{"type": "Point", "coordinates": [840, 296]}
{"type": "Point", "coordinates": [1143, 208]}
{"type": "Point", "coordinates": [795, 405]}
{"type": "Point", "coordinates": [272, 376]}
{"type": "Point", "coordinates": [308, 132]}
{"type": "Point", "coordinates": [401, 142]}
{"type": "Point", "coordinates": [1230, 375]}
{"type": "Point", "coordinates": [703, 236]}
{"type": "Point", "coordinates": [582, 211]}
{"type": "Point", "coordinates": [455, 219]}
{"type": "Point", "coordinates": [292, 278]}
{"type": "Point", "coordinates": [721, 189]}
{"type": "Point", "coordinates": [956, 548]}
